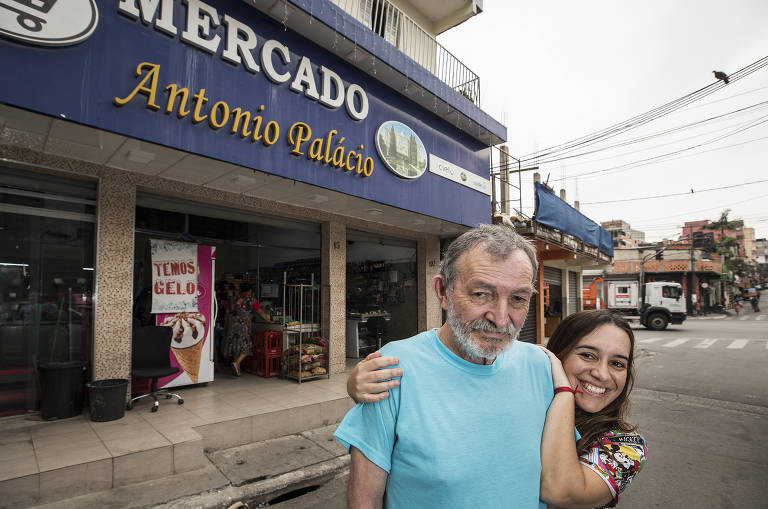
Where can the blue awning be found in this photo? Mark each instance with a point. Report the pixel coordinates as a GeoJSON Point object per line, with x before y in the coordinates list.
{"type": "Point", "coordinates": [554, 212]}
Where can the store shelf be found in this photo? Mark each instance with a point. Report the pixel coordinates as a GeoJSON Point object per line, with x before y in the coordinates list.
{"type": "Point", "coordinates": [303, 351]}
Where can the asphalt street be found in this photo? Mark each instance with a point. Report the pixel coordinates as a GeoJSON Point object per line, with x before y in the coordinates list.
{"type": "Point", "coordinates": [701, 401]}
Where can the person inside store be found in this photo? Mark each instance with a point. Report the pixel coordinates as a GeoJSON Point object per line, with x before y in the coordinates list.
{"type": "Point", "coordinates": [241, 307]}
{"type": "Point", "coordinates": [446, 438]}
{"type": "Point", "coordinates": [592, 371]}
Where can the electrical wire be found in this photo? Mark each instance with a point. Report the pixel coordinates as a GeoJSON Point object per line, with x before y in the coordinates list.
{"type": "Point", "coordinates": [648, 116]}
{"type": "Point", "coordinates": [643, 138]}
{"type": "Point", "coordinates": [656, 134]}
{"type": "Point", "coordinates": [692, 191]}
{"type": "Point", "coordinates": [657, 158]}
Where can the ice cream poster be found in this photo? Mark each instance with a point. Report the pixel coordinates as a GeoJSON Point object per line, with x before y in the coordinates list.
{"type": "Point", "coordinates": [190, 347]}
{"type": "Point", "coordinates": [174, 276]}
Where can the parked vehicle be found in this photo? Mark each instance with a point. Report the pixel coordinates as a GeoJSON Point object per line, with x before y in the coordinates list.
{"type": "Point", "coordinates": [655, 305]}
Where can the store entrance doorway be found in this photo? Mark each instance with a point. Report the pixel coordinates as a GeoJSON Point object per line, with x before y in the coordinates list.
{"type": "Point", "coordinates": [382, 300]}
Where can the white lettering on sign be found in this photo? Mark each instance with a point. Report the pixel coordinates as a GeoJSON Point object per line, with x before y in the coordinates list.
{"type": "Point", "coordinates": [200, 27]}
{"type": "Point", "coordinates": [459, 175]}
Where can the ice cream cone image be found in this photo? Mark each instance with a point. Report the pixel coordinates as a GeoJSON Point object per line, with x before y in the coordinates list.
{"type": "Point", "coordinates": [187, 343]}
{"type": "Point", "coordinates": [189, 359]}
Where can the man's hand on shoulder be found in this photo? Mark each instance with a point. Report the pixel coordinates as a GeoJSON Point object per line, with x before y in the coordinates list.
{"type": "Point", "coordinates": [369, 383]}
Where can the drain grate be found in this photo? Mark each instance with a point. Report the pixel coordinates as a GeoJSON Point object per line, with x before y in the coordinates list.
{"type": "Point", "coordinates": [293, 494]}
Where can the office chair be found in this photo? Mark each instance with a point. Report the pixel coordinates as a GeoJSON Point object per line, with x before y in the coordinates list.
{"type": "Point", "coordinates": [151, 359]}
{"type": "Point", "coordinates": [377, 326]}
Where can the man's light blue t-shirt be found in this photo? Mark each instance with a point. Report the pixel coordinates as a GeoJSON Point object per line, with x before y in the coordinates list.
{"type": "Point", "coordinates": [457, 434]}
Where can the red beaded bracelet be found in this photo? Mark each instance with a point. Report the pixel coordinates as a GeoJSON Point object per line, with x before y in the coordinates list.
{"type": "Point", "coordinates": [567, 389]}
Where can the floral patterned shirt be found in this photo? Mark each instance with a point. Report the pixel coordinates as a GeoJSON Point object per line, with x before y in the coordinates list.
{"type": "Point", "coordinates": [616, 457]}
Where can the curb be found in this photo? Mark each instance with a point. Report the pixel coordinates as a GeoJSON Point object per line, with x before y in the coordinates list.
{"type": "Point", "coordinates": [261, 492]}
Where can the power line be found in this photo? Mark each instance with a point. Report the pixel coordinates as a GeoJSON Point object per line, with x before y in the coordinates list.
{"type": "Point", "coordinates": [648, 116]}
{"type": "Point", "coordinates": [654, 135]}
{"type": "Point", "coordinates": [643, 138]}
{"type": "Point", "coordinates": [692, 191]}
{"type": "Point", "coordinates": [641, 162]}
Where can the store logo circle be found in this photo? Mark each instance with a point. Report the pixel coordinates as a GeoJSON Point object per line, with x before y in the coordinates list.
{"type": "Point", "coordinates": [48, 22]}
{"type": "Point", "coordinates": [401, 150]}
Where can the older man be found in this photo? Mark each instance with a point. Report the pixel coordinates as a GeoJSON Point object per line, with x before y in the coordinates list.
{"type": "Point", "coordinates": [463, 429]}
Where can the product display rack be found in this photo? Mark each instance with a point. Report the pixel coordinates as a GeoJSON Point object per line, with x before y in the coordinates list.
{"type": "Point", "coordinates": [303, 352]}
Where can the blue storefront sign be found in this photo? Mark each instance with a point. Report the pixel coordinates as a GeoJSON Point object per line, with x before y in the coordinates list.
{"type": "Point", "coordinates": [228, 82]}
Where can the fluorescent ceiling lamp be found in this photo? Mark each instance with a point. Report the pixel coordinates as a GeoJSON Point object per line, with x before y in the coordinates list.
{"type": "Point", "coordinates": [14, 264]}
{"type": "Point", "coordinates": [87, 268]}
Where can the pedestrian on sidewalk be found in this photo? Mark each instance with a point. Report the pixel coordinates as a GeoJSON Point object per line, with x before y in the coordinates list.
{"type": "Point", "coordinates": [446, 439]}
{"type": "Point", "coordinates": [591, 351]}
{"type": "Point", "coordinates": [597, 354]}
{"type": "Point", "coordinates": [755, 305]}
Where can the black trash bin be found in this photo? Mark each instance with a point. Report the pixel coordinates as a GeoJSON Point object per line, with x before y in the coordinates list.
{"type": "Point", "coordinates": [61, 389]}
{"type": "Point", "coordinates": [107, 399]}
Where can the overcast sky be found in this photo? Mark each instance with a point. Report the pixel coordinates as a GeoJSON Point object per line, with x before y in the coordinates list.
{"type": "Point", "coordinates": [555, 70]}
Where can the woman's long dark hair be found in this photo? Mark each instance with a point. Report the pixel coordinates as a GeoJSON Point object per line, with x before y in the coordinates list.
{"type": "Point", "coordinates": [570, 331]}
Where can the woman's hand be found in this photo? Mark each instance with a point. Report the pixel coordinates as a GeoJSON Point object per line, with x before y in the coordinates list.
{"type": "Point", "coordinates": [368, 382]}
{"type": "Point", "coordinates": [559, 378]}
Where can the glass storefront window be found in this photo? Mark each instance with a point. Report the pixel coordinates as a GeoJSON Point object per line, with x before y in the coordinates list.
{"type": "Point", "coordinates": [47, 235]}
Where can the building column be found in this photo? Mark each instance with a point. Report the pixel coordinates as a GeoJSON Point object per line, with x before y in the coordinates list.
{"type": "Point", "coordinates": [430, 314]}
{"type": "Point", "coordinates": [113, 300]}
{"type": "Point", "coordinates": [333, 281]}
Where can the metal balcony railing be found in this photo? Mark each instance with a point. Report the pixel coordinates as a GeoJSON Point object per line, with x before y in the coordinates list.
{"type": "Point", "coordinates": [397, 28]}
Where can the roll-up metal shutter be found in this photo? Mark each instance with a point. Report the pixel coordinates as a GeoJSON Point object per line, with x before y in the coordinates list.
{"type": "Point", "coordinates": [573, 292]}
{"type": "Point", "coordinates": [553, 276]}
{"type": "Point", "coordinates": [528, 333]}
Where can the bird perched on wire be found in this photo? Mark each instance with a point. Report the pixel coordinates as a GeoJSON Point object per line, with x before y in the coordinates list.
{"type": "Point", "coordinates": [720, 75]}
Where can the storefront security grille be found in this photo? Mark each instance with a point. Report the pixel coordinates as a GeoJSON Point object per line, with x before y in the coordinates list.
{"type": "Point", "coordinates": [553, 276]}
{"type": "Point", "coordinates": [528, 333]}
{"type": "Point", "coordinates": [573, 292]}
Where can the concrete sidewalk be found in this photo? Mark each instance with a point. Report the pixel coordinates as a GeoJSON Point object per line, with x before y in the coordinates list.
{"type": "Point", "coordinates": [255, 473]}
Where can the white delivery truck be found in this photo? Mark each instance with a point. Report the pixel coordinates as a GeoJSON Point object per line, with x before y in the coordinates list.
{"type": "Point", "coordinates": [655, 304]}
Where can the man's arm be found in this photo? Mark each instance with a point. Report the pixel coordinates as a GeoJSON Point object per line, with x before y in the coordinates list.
{"type": "Point", "coordinates": [367, 482]}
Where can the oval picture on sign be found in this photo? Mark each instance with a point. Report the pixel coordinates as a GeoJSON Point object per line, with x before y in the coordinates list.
{"type": "Point", "coordinates": [48, 22]}
{"type": "Point", "coordinates": [401, 150]}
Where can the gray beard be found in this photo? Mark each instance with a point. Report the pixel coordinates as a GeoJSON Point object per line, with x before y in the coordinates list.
{"type": "Point", "coordinates": [475, 351]}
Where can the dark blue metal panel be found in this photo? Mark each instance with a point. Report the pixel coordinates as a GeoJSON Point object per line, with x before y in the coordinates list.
{"type": "Point", "coordinates": [80, 83]}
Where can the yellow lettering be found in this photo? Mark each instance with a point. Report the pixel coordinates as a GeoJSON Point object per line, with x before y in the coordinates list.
{"type": "Point", "coordinates": [327, 157]}
{"type": "Point", "coordinates": [200, 99]}
{"type": "Point", "coordinates": [338, 154]}
{"type": "Point", "coordinates": [213, 121]}
{"type": "Point", "coordinates": [346, 161]}
{"type": "Point", "coordinates": [298, 133]}
{"type": "Point", "coordinates": [367, 168]}
{"type": "Point", "coordinates": [239, 115]}
{"type": "Point", "coordinates": [274, 128]}
{"type": "Point", "coordinates": [257, 125]}
{"type": "Point", "coordinates": [153, 70]}
{"type": "Point", "coordinates": [316, 149]}
{"type": "Point", "coordinates": [175, 91]}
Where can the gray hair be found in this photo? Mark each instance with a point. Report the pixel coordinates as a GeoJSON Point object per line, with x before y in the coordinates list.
{"type": "Point", "coordinates": [498, 240]}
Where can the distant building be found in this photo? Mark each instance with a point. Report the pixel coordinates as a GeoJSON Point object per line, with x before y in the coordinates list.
{"type": "Point", "coordinates": [692, 228]}
{"type": "Point", "coordinates": [622, 233]}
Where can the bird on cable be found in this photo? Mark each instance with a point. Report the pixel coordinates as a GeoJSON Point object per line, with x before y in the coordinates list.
{"type": "Point", "coordinates": [720, 75]}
